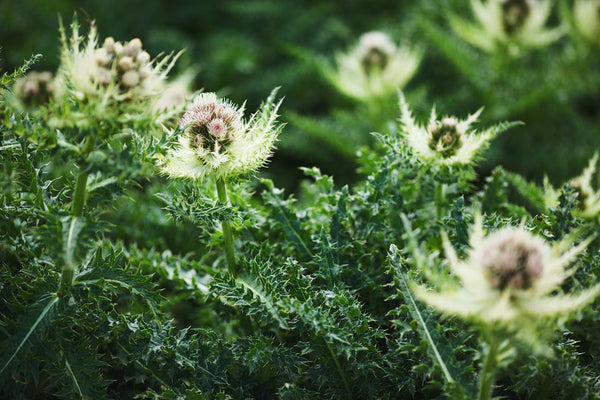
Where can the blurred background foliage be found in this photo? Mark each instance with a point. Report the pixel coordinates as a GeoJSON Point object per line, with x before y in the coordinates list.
{"type": "Point", "coordinates": [242, 49]}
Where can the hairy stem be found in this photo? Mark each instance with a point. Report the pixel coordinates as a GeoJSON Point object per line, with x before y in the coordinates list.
{"type": "Point", "coordinates": [227, 233]}
{"type": "Point", "coordinates": [488, 373]}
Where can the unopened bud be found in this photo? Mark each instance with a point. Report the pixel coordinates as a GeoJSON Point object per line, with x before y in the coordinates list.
{"type": "Point", "coordinates": [125, 63]}
{"type": "Point", "coordinates": [145, 71]}
{"type": "Point", "coordinates": [101, 57]}
{"type": "Point", "coordinates": [103, 76]}
{"type": "Point", "coordinates": [133, 47]}
{"type": "Point", "coordinates": [130, 79]}
{"type": "Point", "coordinates": [109, 44]}
{"type": "Point", "coordinates": [143, 57]}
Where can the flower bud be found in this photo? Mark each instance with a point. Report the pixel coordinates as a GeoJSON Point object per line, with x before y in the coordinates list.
{"type": "Point", "coordinates": [143, 58]}
{"type": "Point", "coordinates": [133, 47]}
{"type": "Point", "coordinates": [101, 57]}
{"type": "Point", "coordinates": [445, 136]}
{"type": "Point", "coordinates": [374, 51]}
{"type": "Point", "coordinates": [109, 44]}
{"type": "Point", "coordinates": [514, 14]}
{"type": "Point", "coordinates": [217, 127]}
{"type": "Point", "coordinates": [125, 63]}
{"type": "Point", "coordinates": [118, 48]}
{"type": "Point", "coordinates": [103, 76]}
{"type": "Point", "coordinates": [130, 79]}
{"type": "Point", "coordinates": [31, 88]}
{"type": "Point", "coordinates": [145, 71]}
{"type": "Point", "coordinates": [510, 261]}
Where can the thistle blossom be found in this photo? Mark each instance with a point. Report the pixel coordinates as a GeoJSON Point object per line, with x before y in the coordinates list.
{"type": "Point", "coordinates": [586, 16]}
{"type": "Point", "coordinates": [510, 279]}
{"type": "Point", "coordinates": [588, 206]}
{"type": "Point", "coordinates": [446, 141]}
{"type": "Point", "coordinates": [375, 67]}
{"type": "Point", "coordinates": [508, 25]}
{"type": "Point", "coordinates": [217, 142]}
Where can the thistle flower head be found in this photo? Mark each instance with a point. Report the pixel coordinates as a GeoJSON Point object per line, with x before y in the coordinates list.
{"type": "Point", "coordinates": [374, 68]}
{"type": "Point", "coordinates": [586, 15]}
{"type": "Point", "coordinates": [508, 25]}
{"type": "Point", "coordinates": [510, 279]}
{"type": "Point", "coordinates": [217, 142]}
{"type": "Point", "coordinates": [588, 199]}
{"type": "Point", "coordinates": [446, 141]}
{"type": "Point", "coordinates": [374, 51]}
{"type": "Point", "coordinates": [35, 88]}
{"type": "Point", "coordinates": [111, 73]}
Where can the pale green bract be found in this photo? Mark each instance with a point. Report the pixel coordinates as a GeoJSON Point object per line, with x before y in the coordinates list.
{"type": "Point", "coordinates": [217, 143]}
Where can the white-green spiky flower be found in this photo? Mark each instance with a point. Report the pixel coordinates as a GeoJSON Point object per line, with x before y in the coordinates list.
{"type": "Point", "coordinates": [586, 16]}
{"type": "Point", "coordinates": [508, 25]}
{"type": "Point", "coordinates": [446, 141]}
{"type": "Point", "coordinates": [588, 206]}
{"type": "Point", "coordinates": [115, 73]}
{"type": "Point", "coordinates": [374, 68]}
{"type": "Point", "coordinates": [217, 143]}
{"type": "Point", "coordinates": [510, 279]}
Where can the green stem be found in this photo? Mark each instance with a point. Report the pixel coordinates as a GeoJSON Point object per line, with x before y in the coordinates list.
{"type": "Point", "coordinates": [339, 368]}
{"type": "Point", "coordinates": [440, 199]}
{"type": "Point", "coordinates": [77, 203]}
{"type": "Point", "coordinates": [488, 373]}
{"type": "Point", "coordinates": [81, 184]}
{"type": "Point", "coordinates": [227, 233]}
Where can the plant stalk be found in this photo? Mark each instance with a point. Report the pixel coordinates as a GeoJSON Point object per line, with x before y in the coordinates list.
{"type": "Point", "coordinates": [488, 373]}
{"type": "Point", "coordinates": [77, 204]}
{"type": "Point", "coordinates": [439, 198]}
{"type": "Point", "coordinates": [227, 232]}
{"type": "Point", "coordinates": [81, 184]}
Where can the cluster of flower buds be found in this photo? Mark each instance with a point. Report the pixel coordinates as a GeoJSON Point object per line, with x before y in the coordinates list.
{"type": "Point", "coordinates": [35, 88]}
{"type": "Point", "coordinates": [126, 62]}
{"type": "Point", "coordinates": [445, 137]}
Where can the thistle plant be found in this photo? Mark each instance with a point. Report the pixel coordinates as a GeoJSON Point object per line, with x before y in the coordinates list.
{"type": "Point", "coordinates": [510, 286]}
{"type": "Point", "coordinates": [374, 68]}
{"type": "Point", "coordinates": [216, 143]}
{"type": "Point", "coordinates": [508, 25]}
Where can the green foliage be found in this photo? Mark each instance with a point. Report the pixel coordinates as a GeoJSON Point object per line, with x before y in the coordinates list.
{"type": "Point", "coordinates": [113, 278]}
